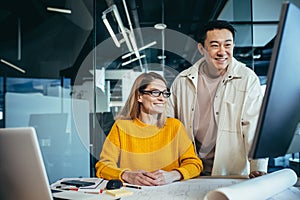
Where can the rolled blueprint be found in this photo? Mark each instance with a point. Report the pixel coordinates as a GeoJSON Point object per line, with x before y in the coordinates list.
{"type": "Point", "coordinates": [262, 187]}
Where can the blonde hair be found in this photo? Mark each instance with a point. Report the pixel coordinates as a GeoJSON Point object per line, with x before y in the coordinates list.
{"type": "Point", "coordinates": [131, 109]}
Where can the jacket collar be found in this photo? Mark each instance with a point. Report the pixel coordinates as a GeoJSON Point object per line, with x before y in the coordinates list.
{"type": "Point", "coordinates": [232, 71]}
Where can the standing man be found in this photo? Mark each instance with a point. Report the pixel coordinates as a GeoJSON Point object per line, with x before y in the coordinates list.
{"type": "Point", "coordinates": [218, 100]}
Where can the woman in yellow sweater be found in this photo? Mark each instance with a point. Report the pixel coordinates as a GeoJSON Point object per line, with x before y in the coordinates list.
{"type": "Point", "coordinates": [144, 147]}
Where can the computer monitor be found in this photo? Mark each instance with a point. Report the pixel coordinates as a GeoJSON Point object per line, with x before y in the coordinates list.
{"type": "Point", "coordinates": [278, 128]}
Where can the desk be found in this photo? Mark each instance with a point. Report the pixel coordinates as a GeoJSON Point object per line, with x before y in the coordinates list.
{"type": "Point", "coordinates": [196, 189]}
{"type": "Point", "coordinates": [191, 189]}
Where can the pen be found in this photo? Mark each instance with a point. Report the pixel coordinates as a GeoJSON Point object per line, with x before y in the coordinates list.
{"type": "Point", "coordinates": [73, 189]}
{"type": "Point", "coordinates": [92, 192]}
{"type": "Point", "coordinates": [132, 186]}
{"type": "Point", "coordinates": [67, 188]}
{"type": "Point", "coordinates": [100, 192]}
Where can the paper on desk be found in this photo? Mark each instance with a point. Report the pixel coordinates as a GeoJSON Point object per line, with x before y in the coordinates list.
{"type": "Point", "coordinates": [119, 192]}
{"type": "Point", "coordinates": [99, 184]}
{"type": "Point", "coordinates": [80, 196]}
{"type": "Point", "coordinates": [257, 188]}
{"type": "Point", "coordinates": [58, 183]}
{"type": "Point", "coordinates": [83, 193]}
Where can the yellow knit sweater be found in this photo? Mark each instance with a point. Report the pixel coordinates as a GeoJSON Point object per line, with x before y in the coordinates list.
{"type": "Point", "coordinates": [134, 145]}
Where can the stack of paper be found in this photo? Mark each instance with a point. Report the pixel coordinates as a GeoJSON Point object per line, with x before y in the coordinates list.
{"type": "Point", "coordinates": [119, 192]}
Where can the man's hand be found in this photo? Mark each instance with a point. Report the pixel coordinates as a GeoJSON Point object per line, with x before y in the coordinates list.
{"type": "Point", "coordinates": [254, 174]}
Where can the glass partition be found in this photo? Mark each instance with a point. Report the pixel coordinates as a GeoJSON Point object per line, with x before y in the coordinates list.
{"type": "Point", "coordinates": [46, 105]}
{"type": "Point", "coordinates": [62, 72]}
{"type": "Point", "coordinates": [41, 49]}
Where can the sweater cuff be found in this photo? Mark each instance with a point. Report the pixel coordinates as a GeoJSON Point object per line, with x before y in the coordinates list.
{"type": "Point", "coordinates": [122, 171]}
{"type": "Point", "coordinates": [184, 173]}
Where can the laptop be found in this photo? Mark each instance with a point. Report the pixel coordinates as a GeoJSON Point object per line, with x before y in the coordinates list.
{"type": "Point", "coordinates": [22, 171]}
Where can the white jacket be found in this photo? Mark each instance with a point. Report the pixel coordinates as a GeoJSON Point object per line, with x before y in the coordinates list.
{"type": "Point", "coordinates": [236, 110]}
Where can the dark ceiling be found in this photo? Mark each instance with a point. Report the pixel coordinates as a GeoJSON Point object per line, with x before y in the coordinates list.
{"type": "Point", "coordinates": [50, 44]}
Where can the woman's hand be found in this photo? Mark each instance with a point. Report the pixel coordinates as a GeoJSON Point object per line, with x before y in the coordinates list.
{"type": "Point", "coordinates": [139, 177]}
{"type": "Point", "coordinates": [159, 177]}
{"type": "Point", "coordinates": [164, 177]}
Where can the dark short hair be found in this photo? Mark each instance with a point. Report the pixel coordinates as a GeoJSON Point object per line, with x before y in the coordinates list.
{"type": "Point", "coordinates": [215, 24]}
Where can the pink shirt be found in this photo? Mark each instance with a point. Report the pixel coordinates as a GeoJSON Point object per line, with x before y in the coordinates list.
{"type": "Point", "coordinates": [205, 127]}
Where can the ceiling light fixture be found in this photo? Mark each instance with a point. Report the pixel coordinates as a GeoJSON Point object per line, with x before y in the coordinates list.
{"type": "Point", "coordinates": [19, 39]}
{"type": "Point", "coordinates": [13, 66]}
{"type": "Point", "coordinates": [128, 35]}
{"type": "Point", "coordinates": [132, 60]}
{"type": "Point", "coordinates": [115, 11]}
{"type": "Point", "coordinates": [129, 39]}
{"type": "Point", "coordinates": [60, 10]}
{"type": "Point", "coordinates": [140, 49]}
{"type": "Point", "coordinates": [111, 32]}
{"type": "Point", "coordinates": [161, 57]}
{"type": "Point", "coordinates": [160, 26]}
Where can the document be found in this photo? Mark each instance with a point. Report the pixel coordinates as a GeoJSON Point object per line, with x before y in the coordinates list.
{"type": "Point", "coordinates": [99, 184]}
{"type": "Point", "coordinates": [263, 187]}
{"type": "Point", "coordinates": [93, 192]}
{"type": "Point", "coordinates": [79, 196]}
{"type": "Point", "coordinates": [193, 189]}
{"type": "Point", "coordinates": [273, 186]}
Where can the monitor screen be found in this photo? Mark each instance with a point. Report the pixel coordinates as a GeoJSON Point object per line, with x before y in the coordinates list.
{"type": "Point", "coordinates": [278, 128]}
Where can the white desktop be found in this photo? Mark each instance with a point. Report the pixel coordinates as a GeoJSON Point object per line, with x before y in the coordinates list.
{"type": "Point", "coordinates": [23, 176]}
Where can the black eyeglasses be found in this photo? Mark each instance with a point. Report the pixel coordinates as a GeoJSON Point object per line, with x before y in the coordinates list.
{"type": "Point", "coordinates": [157, 93]}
